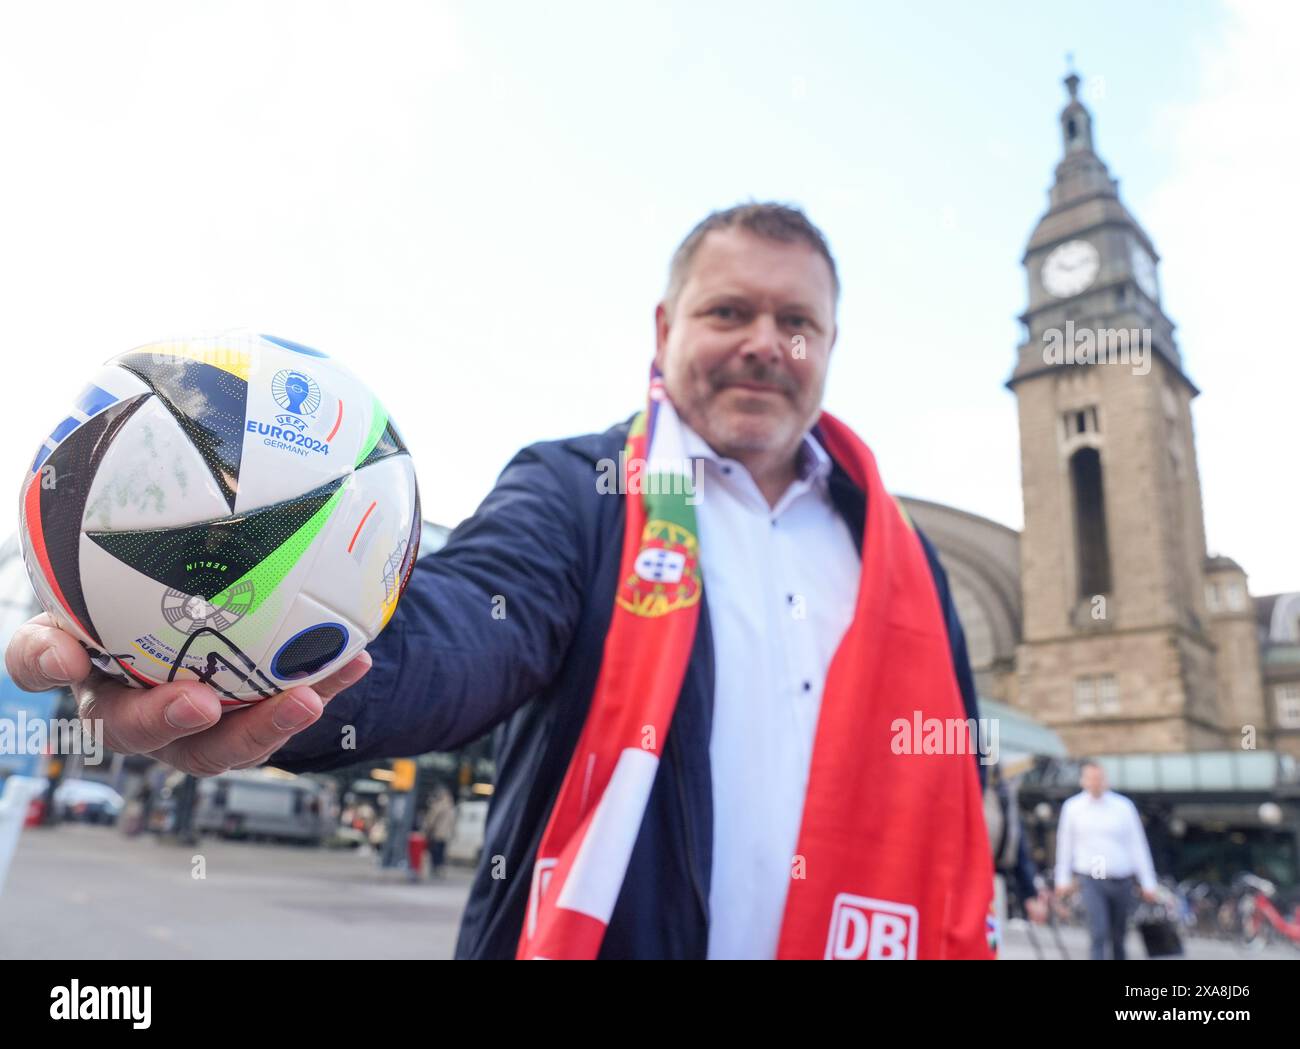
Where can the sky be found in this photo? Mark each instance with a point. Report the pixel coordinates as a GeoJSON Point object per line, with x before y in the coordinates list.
{"type": "Point", "coordinates": [473, 206]}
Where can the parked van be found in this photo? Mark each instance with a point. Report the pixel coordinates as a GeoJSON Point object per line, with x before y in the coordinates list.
{"type": "Point", "coordinates": [254, 803]}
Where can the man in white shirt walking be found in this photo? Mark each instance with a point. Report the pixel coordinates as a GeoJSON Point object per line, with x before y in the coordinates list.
{"type": "Point", "coordinates": [1101, 843]}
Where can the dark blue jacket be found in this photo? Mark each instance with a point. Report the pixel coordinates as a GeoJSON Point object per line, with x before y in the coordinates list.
{"type": "Point", "coordinates": [447, 670]}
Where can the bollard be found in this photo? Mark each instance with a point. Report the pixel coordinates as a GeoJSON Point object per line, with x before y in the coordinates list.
{"type": "Point", "coordinates": [415, 855]}
{"type": "Point", "coordinates": [14, 801]}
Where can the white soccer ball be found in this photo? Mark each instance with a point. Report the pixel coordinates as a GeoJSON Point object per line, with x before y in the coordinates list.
{"type": "Point", "coordinates": [236, 509]}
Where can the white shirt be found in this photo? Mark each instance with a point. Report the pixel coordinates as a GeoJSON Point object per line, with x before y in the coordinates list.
{"type": "Point", "coordinates": [781, 584]}
{"type": "Point", "coordinates": [1102, 836]}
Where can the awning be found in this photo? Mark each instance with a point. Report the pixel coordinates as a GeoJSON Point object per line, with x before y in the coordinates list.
{"type": "Point", "coordinates": [1021, 739]}
{"type": "Point", "coordinates": [1209, 770]}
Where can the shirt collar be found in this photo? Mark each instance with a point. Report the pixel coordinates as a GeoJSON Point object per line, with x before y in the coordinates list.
{"type": "Point", "coordinates": [813, 465]}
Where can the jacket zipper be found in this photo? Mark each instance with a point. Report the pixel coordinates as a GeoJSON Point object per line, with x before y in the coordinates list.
{"type": "Point", "coordinates": [680, 779]}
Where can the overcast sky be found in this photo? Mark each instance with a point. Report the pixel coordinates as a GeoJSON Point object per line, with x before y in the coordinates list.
{"type": "Point", "coordinates": [473, 205]}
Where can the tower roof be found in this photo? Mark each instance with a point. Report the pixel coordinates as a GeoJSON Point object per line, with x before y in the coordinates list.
{"type": "Point", "coordinates": [1081, 174]}
{"type": "Point", "coordinates": [1084, 205]}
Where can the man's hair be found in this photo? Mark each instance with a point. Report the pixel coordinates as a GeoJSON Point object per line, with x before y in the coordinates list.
{"type": "Point", "coordinates": [780, 222]}
{"type": "Point", "coordinates": [1089, 763]}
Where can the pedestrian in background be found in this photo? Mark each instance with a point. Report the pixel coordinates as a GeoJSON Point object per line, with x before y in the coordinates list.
{"type": "Point", "coordinates": [1100, 840]}
{"type": "Point", "coordinates": [439, 824]}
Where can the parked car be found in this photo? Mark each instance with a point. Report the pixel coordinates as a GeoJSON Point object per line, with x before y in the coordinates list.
{"type": "Point", "coordinates": [88, 801]}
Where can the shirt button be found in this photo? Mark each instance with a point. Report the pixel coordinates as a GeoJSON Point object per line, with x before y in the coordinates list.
{"type": "Point", "coordinates": [807, 686]}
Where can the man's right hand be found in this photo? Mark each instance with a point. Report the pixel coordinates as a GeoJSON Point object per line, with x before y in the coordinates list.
{"type": "Point", "coordinates": [178, 723]}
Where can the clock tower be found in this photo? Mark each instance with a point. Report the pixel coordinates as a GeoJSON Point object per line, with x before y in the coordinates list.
{"type": "Point", "coordinates": [1116, 652]}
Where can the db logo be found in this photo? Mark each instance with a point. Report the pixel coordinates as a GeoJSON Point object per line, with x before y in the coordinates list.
{"type": "Point", "coordinates": [872, 929]}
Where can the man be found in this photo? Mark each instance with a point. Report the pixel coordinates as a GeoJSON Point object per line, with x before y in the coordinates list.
{"type": "Point", "coordinates": [599, 596]}
{"type": "Point", "coordinates": [1100, 839]}
{"type": "Point", "coordinates": [438, 827]}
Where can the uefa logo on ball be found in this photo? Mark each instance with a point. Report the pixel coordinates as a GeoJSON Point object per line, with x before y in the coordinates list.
{"type": "Point", "coordinates": [295, 392]}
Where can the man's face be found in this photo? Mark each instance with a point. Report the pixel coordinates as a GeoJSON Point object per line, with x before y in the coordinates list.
{"type": "Point", "coordinates": [1094, 781]}
{"type": "Point", "coordinates": [745, 350]}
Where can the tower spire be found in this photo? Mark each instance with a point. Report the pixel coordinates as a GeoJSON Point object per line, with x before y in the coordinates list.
{"type": "Point", "coordinates": [1080, 172]}
{"type": "Point", "coordinates": [1076, 121]}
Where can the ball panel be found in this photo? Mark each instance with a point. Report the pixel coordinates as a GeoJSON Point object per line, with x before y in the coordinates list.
{"type": "Point", "coordinates": [55, 504]}
{"type": "Point", "coordinates": [306, 420]}
{"type": "Point", "coordinates": [159, 633]}
{"type": "Point", "coordinates": [365, 552]}
{"type": "Point", "coordinates": [187, 604]}
{"type": "Point", "coordinates": [387, 443]}
{"type": "Point", "coordinates": [36, 562]}
{"type": "Point", "coordinates": [309, 651]}
{"type": "Point", "coordinates": [108, 386]}
{"type": "Point", "coordinates": [409, 555]}
{"type": "Point", "coordinates": [297, 347]}
{"type": "Point", "coordinates": [207, 401]}
{"type": "Point", "coordinates": [125, 605]}
{"type": "Point", "coordinates": [152, 477]}
{"type": "Point", "coordinates": [313, 641]}
{"type": "Point", "coordinates": [207, 557]}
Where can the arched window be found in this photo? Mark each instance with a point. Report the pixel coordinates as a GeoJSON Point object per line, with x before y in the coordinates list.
{"type": "Point", "coordinates": [1090, 523]}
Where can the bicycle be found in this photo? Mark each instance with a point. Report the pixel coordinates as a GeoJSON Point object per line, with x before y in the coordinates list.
{"type": "Point", "coordinates": [1259, 921]}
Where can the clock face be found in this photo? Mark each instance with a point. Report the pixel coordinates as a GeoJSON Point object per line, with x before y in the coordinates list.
{"type": "Point", "coordinates": [1144, 272]}
{"type": "Point", "coordinates": [1070, 268]}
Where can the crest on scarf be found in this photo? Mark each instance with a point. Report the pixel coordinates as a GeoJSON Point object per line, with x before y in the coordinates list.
{"type": "Point", "coordinates": [666, 574]}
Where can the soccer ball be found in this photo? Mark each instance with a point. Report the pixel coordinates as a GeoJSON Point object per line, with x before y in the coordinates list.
{"type": "Point", "coordinates": [237, 509]}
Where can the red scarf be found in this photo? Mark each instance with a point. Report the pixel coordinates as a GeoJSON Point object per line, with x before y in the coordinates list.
{"type": "Point", "coordinates": [893, 859]}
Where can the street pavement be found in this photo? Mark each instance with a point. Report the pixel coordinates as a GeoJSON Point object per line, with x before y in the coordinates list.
{"type": "Point", "coordinates": [76, 891]}
{"type": "Point", "coordinates": [1019, 938]}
